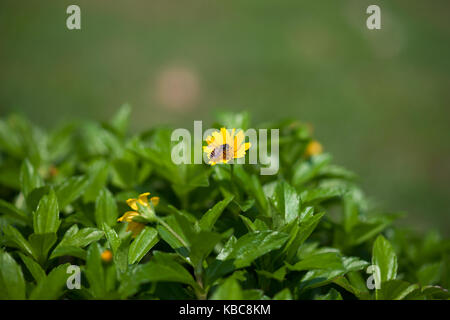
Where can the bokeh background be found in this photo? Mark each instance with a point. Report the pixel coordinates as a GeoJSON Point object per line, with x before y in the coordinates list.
{"type": "Point", "coordinates": [378, 100]}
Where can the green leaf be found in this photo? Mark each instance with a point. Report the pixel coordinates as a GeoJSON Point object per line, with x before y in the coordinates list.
{"type": "Point", "coordinates": [29, 178]}
{"type": "Point", "coordinates": [10, 141]}
{"type": "Point", "coordinates": [98, 175]}
{"type": "Point", "coordinates": [105, 209]}
{"type": "Point", "coordinates": [13, 235]}
{"type": "Point", "coordinates": [75, 239]}
{"type": "Point", "coordinates": [168, 237]}
{"type": "Point", "coordinates": [121, 120]}
{"type": "Point", "coordinates": [254, 245]}
{"type": "Point", "coordinates": [430, 273]}
{"type": "Point", "coordinates": [384, 257]}
{"type": "Point", "coordinates": [287, 203]}
{"type": "Point", "coordinates": [284, 294]}
{"type": "Point", "coordinates": [124, 172]}
{"type": "Point", "coordinates": [248, 223]}
{"type": "Point", "coordinates": [142, 244]}
{"type": "Point", "coordinates": [33, 198]}
{"type": "Point", "coordinates": [228, 290]}
{"type": "Point", "coordinates": [306, 170]}
{"type": "Point", "coordinates": [11, 211]}
{"type": "Point", "coordinates": [351, 212]}
{"type": "Point", "coordinates": [327, 260]}
{"type": "Point", "coordinates": [46, 216]}
{"type": "Point", "coordinates": [253, 188]}
{"type": "Point", "coordinates": [318, 195]}
{"type": "Point", "coordinates": [320, 277]}
{"type": "Point", "coordinates": [356, 285]}
{"type": "Point", "coordinates": [35, 269]}
{"type": "Point", "coordinates": [119, 247]}
{"type": "Point", "coordinates": [238, 120]}
{"type": "Point", "coordinates": [333, 294]}
{"type": "Point", "coordinates": [354, 263]}
{"type": "Point", "coordinates": [42, 243]}
{"type": "Point", "coordinates": [12, 283]}
{"type": "Point", "coordinates": [94, 271]}
{"type": "Point", "coordinates": [51, 287]}
{"type": "Point", "coordinates": [395, 290]}
{"type": "Point", "coordinates": [208, 220]}
{"type": "Point", "coordinates": [164, 267]}
{"type": "Point", "coordinates": [113, 238]}
{"type": "Point", "coordinates": [70, 190]}
{"type": "Point", "coordinates": [307, 226]}
{"type": "Point", "coordinates": [277, 275]}
{"type": "Point", "coordinates": [201, 246]}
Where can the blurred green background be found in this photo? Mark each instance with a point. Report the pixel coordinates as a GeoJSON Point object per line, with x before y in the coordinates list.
{"type": "Point", "coordinates": [378, 100]}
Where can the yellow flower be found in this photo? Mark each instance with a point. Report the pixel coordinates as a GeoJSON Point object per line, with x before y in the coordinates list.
{"type": "Point", "coordinates": [313, 148]}
{"type": "Point", "coordinates": [133, 226]}
{"type": "Point", "coordinates": [106, 256]}
{"type": "Point", "coordinates": [223, 146]}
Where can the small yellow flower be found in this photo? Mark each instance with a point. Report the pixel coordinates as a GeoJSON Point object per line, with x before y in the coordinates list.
{"type": "Point", "coordinates": [106, 256]}
{"type": "Point", "coordinates": [313, 148]}
{"type": "Point", "coordinates": [223, 146]}
{"type": "Point", "coordinates": [133, 226]}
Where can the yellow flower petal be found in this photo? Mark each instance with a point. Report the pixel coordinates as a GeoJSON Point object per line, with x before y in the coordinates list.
{"type": "Point", "coordinates": [224, 133]}
{"type": "Point", "coordinates": [143, 198]}
{"type": "Point", "coordinates": [209, 139]}
{"type": "Point", "coordinates": [218, 139]}
{"type": "Point", "coordinates": [154, 200]}
{"type": "Point", "coordinates": [128, 216]}
{"type": "Point", "coordinates": [239, 138]}
{"type": "Point", "coordinates": [132, 203]}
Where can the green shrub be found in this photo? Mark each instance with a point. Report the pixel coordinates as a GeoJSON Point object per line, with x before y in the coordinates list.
{"type": "Point", "coordinates": [218, 232]}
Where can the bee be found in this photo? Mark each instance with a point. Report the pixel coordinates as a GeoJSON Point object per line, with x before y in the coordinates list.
{"type": "Point", "coordinates": [221, 152]}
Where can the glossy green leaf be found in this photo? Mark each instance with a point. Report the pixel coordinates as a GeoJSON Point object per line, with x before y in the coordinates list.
{"type": "Point", "coordinates": [164, 267]}
{"type": "Point", "coordinates": [13, 235]}
{"type": "Point", "coordinates": [35, 269]}
{"type": "Point", "coordinates": [70, 190]}
{"type": "Point", "coordinates": [327, 260]}
{"type": "Point", "coordinates": [74, 239]}
{"type": "Point", "coordinates": [395, 290]}
{"type": "Point", "coordinates": [98, 175]}
{"type": "Point", "coordinates": [284, 294]}
{"type": "Point", "coordinates": [105, 209]}
{"type": "Point", "coordinates": [210, 217]}
{"type": "Point", "coordinates": [12, 283]}
{"type": "Point", "coordinates": [142, 244]}
{"type": "Point", "coordinates": [46, 216]}
{"type": "Point", "coordinates": [228, 290]}
{"type": "Point", "coordinates": [254, 245]}
{"type": "Point", "coordinates": [384, 257]}
{"type": "Point", "coordinates": [29, 178]}
{"type": "Point", "coordinates": [51, 287]}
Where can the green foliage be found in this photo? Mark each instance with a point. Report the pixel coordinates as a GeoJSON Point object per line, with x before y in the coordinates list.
{"type": "Point", "coordinates": [222, 232]}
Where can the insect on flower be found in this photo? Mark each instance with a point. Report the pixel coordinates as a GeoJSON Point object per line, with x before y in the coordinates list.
{"type": "Point", "coordinates": [134, 226]}
{"type": "Point", "coordinates": [224, 146]}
